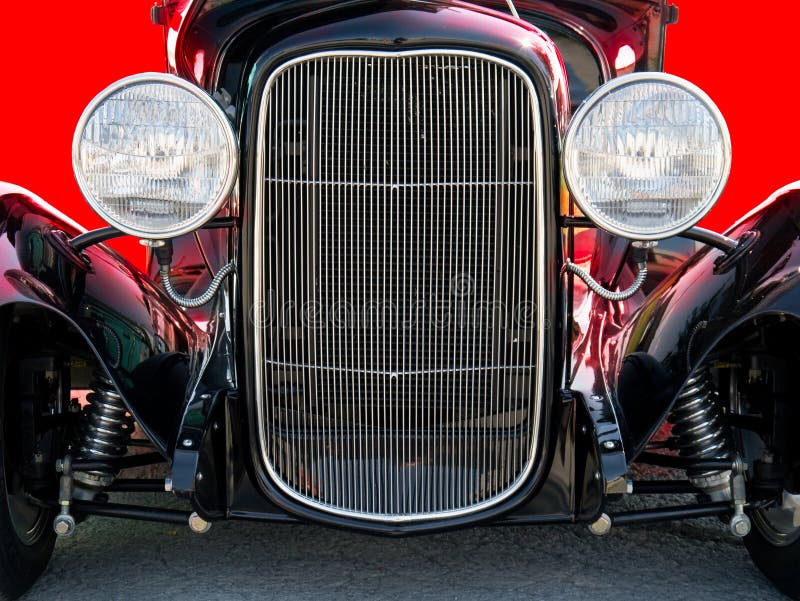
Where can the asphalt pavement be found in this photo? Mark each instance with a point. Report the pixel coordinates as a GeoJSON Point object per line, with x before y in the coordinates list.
{"type": "Point", "coordinates": [111, 559]}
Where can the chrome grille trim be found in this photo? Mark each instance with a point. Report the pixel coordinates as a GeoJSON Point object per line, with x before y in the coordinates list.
{"type": "Point", "coordinates": [387, 491]}
{"type": "Point", "coordinates": [385, 372]}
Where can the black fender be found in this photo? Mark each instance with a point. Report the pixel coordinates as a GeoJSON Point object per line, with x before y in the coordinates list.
{"type": "Point", "coordinates": [142, 340]}
{"type": "Point", "coordinates": [648, 360]}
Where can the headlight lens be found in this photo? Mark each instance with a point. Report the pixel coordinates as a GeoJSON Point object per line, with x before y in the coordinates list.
{"type": "Point", "coordinates": [154, 156]}
{"type": "Point", "coordinates": [647, 155]}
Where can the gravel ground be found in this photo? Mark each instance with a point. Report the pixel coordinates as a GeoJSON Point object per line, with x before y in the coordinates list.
{"type": "Point", "coordinates": [118, 559]}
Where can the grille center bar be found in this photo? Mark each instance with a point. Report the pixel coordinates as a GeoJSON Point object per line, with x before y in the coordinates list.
{"type": "Point", "coordinates": [399, 321]}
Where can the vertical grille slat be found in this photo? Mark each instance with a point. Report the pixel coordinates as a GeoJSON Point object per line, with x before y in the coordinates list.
{"type": "Point", "coordinates": [399, 206]}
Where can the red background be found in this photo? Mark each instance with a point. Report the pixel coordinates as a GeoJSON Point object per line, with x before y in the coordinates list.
{"type": "Point", "coordinates": [57, 55]}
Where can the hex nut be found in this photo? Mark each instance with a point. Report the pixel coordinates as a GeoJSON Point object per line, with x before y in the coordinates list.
{"type": "Point", "coordinates": [740, 525]}
{"type": "Point", "coordinates": [64, 525]}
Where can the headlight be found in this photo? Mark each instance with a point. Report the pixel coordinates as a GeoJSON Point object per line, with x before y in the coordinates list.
{"type": "Point", "coordinates": [647, 156]}
{"type": "Point", "coordinates": [154, 156]}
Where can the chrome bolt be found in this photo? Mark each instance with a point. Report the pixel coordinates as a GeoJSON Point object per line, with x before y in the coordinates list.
{"type": "Point", "coordinates": [198, 524]}
{"type": "Point", "coordinates": [64, 525]}
{"type": "Point", "coordinates": [598, 475]}
{"type": "Point", "coordinates": [584, 429]}
{"type": "Point", "coordinates": [199, 476]}
{"type": "Point", "coordinates": [596, 397]}
{"type": "Point", "coordinates": [153, 243]}
{"type": "Point", "coordinates": [205, 397]}
{"type": "Point", "coordinates": [215, 426]}
{"type": "Point", "coordinates": [601, 526]}
{"type": "Point", "coordinates": [609, 445]}
{"type": "Point", "coordinates": [740, 525]}
{"type": "Point", "coordinates": [187, 442]}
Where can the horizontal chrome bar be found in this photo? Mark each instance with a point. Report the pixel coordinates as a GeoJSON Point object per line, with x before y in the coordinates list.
{"type": "Point", "coordinates": [395, 185]}
{"type": "Point", "coordinates": [399, 373]}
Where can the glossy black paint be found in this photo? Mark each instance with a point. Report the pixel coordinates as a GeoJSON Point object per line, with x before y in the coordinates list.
{"type": "Point", "coordinates": [647, 360]}
{"type": "Point", "coordinates": [126, 321]}
{"type": "Point", "coordinates": [207, 36]}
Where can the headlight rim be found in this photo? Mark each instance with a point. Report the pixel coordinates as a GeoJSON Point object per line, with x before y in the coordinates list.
{"type": "Point", "coordinates": [211, 209]}
{"type": "Point", "coordinates": [597, 96]}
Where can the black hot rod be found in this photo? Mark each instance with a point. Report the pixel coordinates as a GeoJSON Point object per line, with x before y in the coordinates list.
{"type": "Point", "coordinates": [414, 265]}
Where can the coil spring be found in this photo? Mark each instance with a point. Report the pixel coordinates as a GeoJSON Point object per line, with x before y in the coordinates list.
{"type": "Point", "coordinates": [106, 431]}
{"type": "Point", "coordinates": [700, 434]}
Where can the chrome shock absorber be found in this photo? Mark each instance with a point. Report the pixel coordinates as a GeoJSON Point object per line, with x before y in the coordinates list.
{"type": "Point", "coordinates": [104, 436]}
{"type": "Point", "coordinates": [700, 434]}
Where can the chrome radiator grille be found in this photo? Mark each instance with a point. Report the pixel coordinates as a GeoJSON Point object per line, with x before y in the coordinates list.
{"type": "Point", "coordinates": [397, 313]}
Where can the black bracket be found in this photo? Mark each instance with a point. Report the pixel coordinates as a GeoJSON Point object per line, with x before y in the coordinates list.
{"type": "Point", "coordinates": [158, 15]}
{"type": "Point", "coordinates": [699, 234]}
{"type": "Point", "coordinates": [607, 437]}
{"type": "Point", "coordinates": [725, 263]}
{"type": "Point", "coordinates": [199, 466]}
{"type": "Point", "coordinates": [672, 14]}
{"type": "Point", "coordinates": [87, 239]}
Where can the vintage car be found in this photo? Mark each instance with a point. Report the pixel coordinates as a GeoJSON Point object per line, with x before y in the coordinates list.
{"type": "Point", "coordinates": [414, 265]}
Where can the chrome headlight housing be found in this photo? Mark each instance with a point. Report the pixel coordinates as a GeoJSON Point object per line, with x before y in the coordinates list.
{"type": "Point", "coordinates": [647, 156]}
{"type": "Point", "coordinates": [154, 156]}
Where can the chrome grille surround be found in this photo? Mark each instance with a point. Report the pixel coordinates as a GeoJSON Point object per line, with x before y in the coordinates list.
{"type": "Point", "coordinates": [359, 482]}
